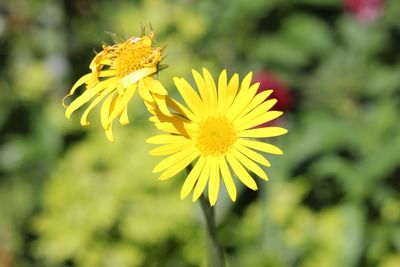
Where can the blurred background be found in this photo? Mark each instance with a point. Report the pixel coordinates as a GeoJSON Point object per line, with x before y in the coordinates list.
{"type": "Point", "coordinates": [68, 197]}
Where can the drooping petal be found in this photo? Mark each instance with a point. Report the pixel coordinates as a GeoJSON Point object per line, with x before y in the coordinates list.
{"type": "Point", "coordinates": [136, 76]}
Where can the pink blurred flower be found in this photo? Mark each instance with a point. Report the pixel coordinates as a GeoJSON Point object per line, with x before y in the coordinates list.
{"type": "Point", "coordinates": [366, 11]}
{"type": "Point", "coordinates": [281, 92]}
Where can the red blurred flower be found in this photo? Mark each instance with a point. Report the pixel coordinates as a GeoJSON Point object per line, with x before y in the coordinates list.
{"type": "Point", "coordinates": [281, 92]}
{"type": "Point", "coordinates": [366, 11]}
{"type": "Point", "coordinates": [269, 80]}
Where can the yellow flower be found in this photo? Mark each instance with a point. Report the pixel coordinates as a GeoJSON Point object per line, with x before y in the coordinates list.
{"type": "Point", "coordinates": [116, 73]}
{"type": "Point", "coordinates": [216, 128]}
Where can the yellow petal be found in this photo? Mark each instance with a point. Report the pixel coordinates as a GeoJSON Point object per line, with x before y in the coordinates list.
{"type": "Point", "coordinates": [105, 111]}
{"type": "Point", "coordinates": [241, 172]}
{"type": "Point", "coordinates": [213, 185]}
{"type": "Point", "coordinates": [144, 92]}
{"type": "Point", "coordinates": [136, 76]}
{"type": "Point", "coordinates": [222, 89]}
{"type": "Point", "coordinates": [255, 102]}
{"type": "Point", "coordinates": [86, 96]}
{"type": "Point", "coordinates": [166, 139]}
{"type": "Point", "coordinates": [261, 146]}
{"type": "Point", "coordinates": [122, 102]}
{"type": "Point", "coordinates": [231, 92]}
{"type": "Point", "coordinates": [257, 157]}
{"type": "Point", "coordinates": [96, 101]}
{"type": "Point", "coordinates": [192, 178]}
{"type": "Point", "coordinates": [109, 134]}
{"type": "Point", "coordinates": [256, 112]}
{"type": "Point", "coordinates": [211, 89]}
{"type": "Point", "coordinates": [249, 164]}
{"type": "Point", "coordinates": [174, 159]}
{"type": "Point", "coordinates": [263, 132]}
{"type": "Point", "coordinates": [161, 104]}
{"type": "Point", "coordinates": [171, 148]}
{"type": "Point", "coordinates": [190, 96]}
{"type": "Point", "coordinates": [227, 178]}
{"type": "Point", "coordinates": [178, 166]}
{"type": "Point", "coordinates": [180, 109]}
{"type": "Point", "coordinates": [124, 119]}
{"type": "Point", "coordinates": [203, 90]}
{"type": "Point", "coordinates": [155, 86]}
{"type": "Point", "coordinates": [266, 117]}
{"type": "Point", "coordinates": [203, 179]}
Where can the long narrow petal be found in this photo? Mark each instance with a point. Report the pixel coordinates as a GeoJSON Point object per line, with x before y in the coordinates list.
{"type": "Point", "coordinates": [155, 86]}
{"type": "Point", "coordinates": [178, 107]}
{"type": "Point", "coordinates": [124, 119]}
{"type": "Point", "coordinates": [87, 95]}
{"type": "Point", "coordinates": [166, 139]}
{"type": "Point", "coordinates": [213, 185]}
{"type": "Point", "coordinates": [95, 102]}
{"type": "Point", "coordinates": [105, 111]}
{"type": "Point", "coordinates": [136, 76]}
{"type": "Point", "coordinates": [174, 159]}
{"type": "Point", "coordinates": [261, 146]}
{"type": "Point", "coordinates": [233, 87]}
{"type": "Point", "coordinates": [190, 96]}
{"type": "Point", "coordinates": [203, 179]}
{"type": "Point", "coordinates": [161, 103]}
{"type": "Point", "coordinates": [222, 89]}
{"type": "Point", "coordinates": [192, 178]}
{"type": "Point", "coordinates": [266, 117]}
{"type": "Point", "coordinates": [263, 132]}
{"type": "Point", "coordinates": [203, 90]}
{"type": "Point", "coordinates": [249, 164]}
{"type": "Point", "coordinates": [241, 172]}
{"type": "Point", "coordinates": [256, 112]}
{"type": "Point", "coordinates": [255, 102]}
{"type": "Point", "coordinates": [227, 178]}
{"type": "Point", "coordinates": [171, 148]}
{"type": "Point", "coordinates": [212, 89]}
{"type": "Point", "coordinates": [122, 102]}
{"type": "Point", "coordinates": [178, 166]}
{"type": "Point", "coordinates": [257, 157]}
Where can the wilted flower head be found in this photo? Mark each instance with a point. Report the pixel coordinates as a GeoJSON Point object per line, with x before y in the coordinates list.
{"type": "Point", "coordinates": [364, 10]}
{"type": "Point", "coordinates": [116, 73]}
{"type": "Point", "coordinates": [214, 132]}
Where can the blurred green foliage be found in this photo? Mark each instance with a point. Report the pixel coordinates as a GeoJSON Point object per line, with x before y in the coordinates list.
{"type": "Point", "coordinates": [70, 198]}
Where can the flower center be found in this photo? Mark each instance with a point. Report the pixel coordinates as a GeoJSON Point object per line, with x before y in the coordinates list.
{"type": "Point", "coordinates": [133, 56]}
{"type": "Point", "coordinates": [216, 135]}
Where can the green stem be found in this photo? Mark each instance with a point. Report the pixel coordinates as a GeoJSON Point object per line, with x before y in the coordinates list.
{"type": "Point", "coordinates": [215, 252]}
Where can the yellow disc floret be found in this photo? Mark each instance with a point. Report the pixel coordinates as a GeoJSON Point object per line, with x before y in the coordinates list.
{"type": "Point", "coordinates": [216, 135]}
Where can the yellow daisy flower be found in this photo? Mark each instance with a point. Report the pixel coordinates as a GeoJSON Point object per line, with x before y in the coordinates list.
{"type": "Point", "coordinates": [217, 129]}
{"type": "Point", "coordinates": [116, 73]}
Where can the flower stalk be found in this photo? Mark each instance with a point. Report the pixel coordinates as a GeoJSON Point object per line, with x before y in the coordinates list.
{"type": "Point", "coordinates": [215, 252]}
